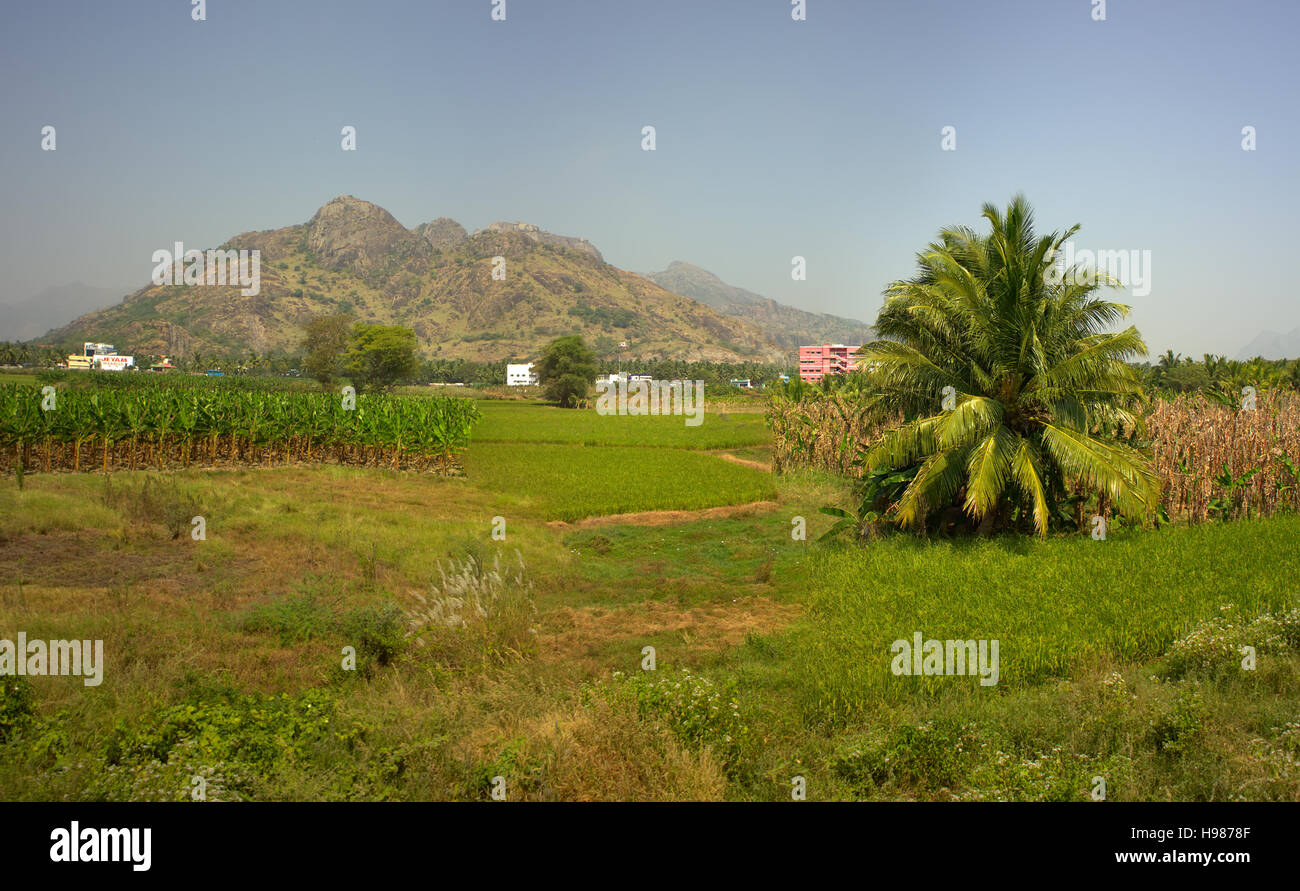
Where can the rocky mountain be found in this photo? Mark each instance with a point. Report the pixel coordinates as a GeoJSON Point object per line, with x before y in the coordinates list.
{"type": "Point", "coordinates": [30, 318]}
{"type": "Point", "coordinates": [531, 232]}
{"type": "Point", "coordinates": [442, 233]}
{"type": "Point", "coordinates": [354, 256]}
{"type": "Point", "coordinates": [1272, 345]}
{"type": "Point", "coordinates": [787, 326]}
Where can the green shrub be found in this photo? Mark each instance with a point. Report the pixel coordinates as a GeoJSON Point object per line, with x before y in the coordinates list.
{"type": "Point", "coordinates": [1214, 647]}
{"type": "Point", "coordinates": [378, 633]}
{"type": "Point", "coordinates": [1054, 775]}
{"type": "Point", "coordinates": [694, 709]}
{"type": "Point", "coordinates": [1175, 729]}
{"type": "Point", "coordinates": [929, 756]}
{"type": "Point", "coordinates": [17, 706]}
{"type": "Point", "coordinates": [294, 619]}
{"type": "Point", "coordinates": [237, 743]}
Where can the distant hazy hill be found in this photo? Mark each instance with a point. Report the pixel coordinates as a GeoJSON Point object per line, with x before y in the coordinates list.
{"type": "Point", "coordinates": [28, 319]}
{"type": "Point", "coordinates": [437, 279]}
{"type": "Point", "coordinates": [1271, 345]}
{"type": "Point", "coordinates": [785, 325]}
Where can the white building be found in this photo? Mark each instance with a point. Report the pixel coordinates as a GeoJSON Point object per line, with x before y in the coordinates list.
{"type": "Point", "coordinates": [114, 362]}
{"type": "Point", "coordinates": [521, 375]}
{"type": "Point", "coordinates": [99, 357]}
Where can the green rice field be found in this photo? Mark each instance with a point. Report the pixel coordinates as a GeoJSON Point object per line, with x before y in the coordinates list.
{"type": "Point", "coordinates": [532, 422]}
{"type": "Point", "coordinates": [572, 482]}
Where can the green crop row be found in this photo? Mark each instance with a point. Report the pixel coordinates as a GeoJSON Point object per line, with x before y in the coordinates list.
{"type": "Point", "coordinates": [125, 428]}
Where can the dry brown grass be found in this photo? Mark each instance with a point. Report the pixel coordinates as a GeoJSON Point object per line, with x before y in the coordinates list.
{"type": "Point", "coordinates": [582, 636]}
{"type": "Point", "coordinates": [602, 751]}
{"type": "Point", "coordinates": [825, 434]}
{"type": "Point", "coordinates": [1192, 438]}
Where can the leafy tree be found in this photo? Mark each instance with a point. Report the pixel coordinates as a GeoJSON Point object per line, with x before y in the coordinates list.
{"type": "Point", "coordinates": [380, 355]}
{"type": "Point", "coordinates": [1039, 387]}
{"type": "Point", "coordinates": [327, 340]}
{"type": "Point", "coordinates": [1187, 377]}
{"type": "Point", "coordinates": [566, 370]}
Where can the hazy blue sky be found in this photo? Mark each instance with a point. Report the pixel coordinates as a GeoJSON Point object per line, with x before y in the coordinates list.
{"type": "Point", "coordinates": [775, 138]}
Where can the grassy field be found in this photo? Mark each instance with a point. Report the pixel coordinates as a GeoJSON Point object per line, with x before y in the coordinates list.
{"type": "Point", "coordinates": [572, 482]}
{"type": "Point", "coordinates": [224, 657]}
{"type": "Point", "coordinates": [14, 376]}
{"type": "Point", "coordinates": [1057, 607]}
{"type": "Point", "coordinates": [533, 422]}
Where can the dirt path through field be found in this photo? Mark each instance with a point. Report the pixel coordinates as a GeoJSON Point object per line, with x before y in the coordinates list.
{"type": "Point", "coordinates": [668, 517]}
{"type": "Point", "coordinates": [757, 465]}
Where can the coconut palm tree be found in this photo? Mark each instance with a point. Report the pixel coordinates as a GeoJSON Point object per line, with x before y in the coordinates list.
{"type": "Point", "coordinates": [1039, 388]}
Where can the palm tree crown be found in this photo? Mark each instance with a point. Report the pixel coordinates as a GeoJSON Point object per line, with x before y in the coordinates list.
{"type": "Point", "coordinates": [1039, 386]}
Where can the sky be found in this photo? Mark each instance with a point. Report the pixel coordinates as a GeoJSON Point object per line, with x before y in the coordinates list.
{"type": "Point", "coordinates": [775, 138]}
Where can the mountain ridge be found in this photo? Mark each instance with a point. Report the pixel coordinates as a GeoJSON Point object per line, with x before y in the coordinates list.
{"type": "Point", "coordinates": [354, 256]}
{"type": "Point", "coordinates": [789, 327]}
{"type": "Point", "coordinates": [1272, 345]}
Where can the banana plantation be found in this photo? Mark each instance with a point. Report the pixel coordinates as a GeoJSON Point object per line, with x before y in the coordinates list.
{"type": "Point", "coordinates": [123, 428]}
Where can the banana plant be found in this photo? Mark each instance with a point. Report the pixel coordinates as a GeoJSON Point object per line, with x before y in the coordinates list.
{"type": "Point", "coordinates": [877, 490]}
{"type": "Point", "coordinates": [1225, 504]}
{"type": "Point", "coordinates": [1284, 488]}
{"type": "Point", "coordinates": [217, 419]}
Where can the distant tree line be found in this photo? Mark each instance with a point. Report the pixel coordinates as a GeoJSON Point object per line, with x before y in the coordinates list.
{"type": "Point", "coordinates": [322, 355]}
{"type": "Point", "coordinates": [1175, 373]}
{"type": "Point", "coordinates": [12, 353]}
{"type": "Point", "coordinates": [462, 371]}
{"type": "Point", "coordinates": [1171, 373]}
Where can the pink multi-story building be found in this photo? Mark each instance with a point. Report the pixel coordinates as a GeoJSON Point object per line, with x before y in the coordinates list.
{"type": "Point", "coordinates": [815, 362]}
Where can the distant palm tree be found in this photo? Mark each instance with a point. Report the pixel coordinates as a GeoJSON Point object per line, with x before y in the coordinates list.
{"type": "Point", "coordinates": [1037, 383]}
